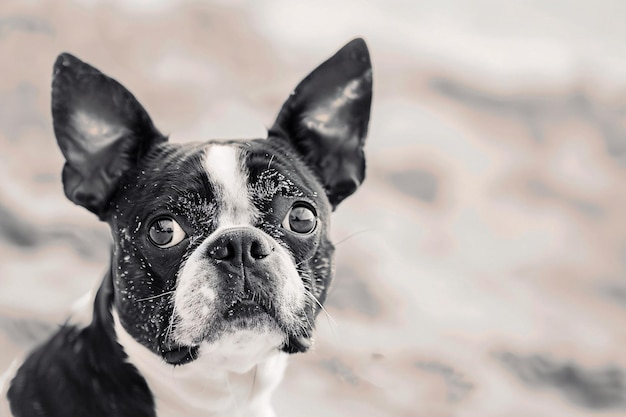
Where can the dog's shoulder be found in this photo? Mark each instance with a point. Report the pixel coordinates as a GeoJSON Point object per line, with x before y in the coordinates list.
{"type": "Point", "coordinates": [76, 372]}
{"type": "Point", "coordinates": [79, 371]}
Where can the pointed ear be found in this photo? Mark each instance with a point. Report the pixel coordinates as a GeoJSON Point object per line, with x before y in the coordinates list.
{"type": "Point", "coordinates": [101, 129]}
{"type": "Point", "coordinates": [326, 119]}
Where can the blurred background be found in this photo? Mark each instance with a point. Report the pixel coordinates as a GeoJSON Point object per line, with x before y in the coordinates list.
{"type": "Point", "coordinates": [480, 268]}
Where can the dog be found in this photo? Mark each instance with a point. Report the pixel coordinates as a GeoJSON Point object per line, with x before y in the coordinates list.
{"type": "Point", "coordinates": [221, 258]}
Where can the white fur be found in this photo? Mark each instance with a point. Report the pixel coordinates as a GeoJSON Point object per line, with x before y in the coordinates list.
{"type": "Point", "coordinates": [195, 310]}
{"type": "Point", "coordinates": [235, 374]}
{"type": "Point", "coordinates": [5, 380]}
{"type": "Point", "coordinates": [228, 176]}
{"type": "Point", "coordinates": [233, 377]}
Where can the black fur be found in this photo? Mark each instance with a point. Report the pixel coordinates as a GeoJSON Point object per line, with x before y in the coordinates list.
{"type": "Point", "coordinates": [122, 169]}
{"type": "Point", "coordinates": [156, 187]}
{"type": "Point", "coordinates": [81, 372]}
{"type": "Point", "coordinates": [330, 135]}
{"type": "Point", "coordinates": [94, 115]}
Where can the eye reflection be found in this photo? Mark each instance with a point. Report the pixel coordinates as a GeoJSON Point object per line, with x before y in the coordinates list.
{"type": "Point", "coordinates": [300, 219]}
{"type": "Point", "coordinates": [165, 232]}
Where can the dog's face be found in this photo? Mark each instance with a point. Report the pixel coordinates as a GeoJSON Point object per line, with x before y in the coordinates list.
{"type": "Point", "coordinates": [219, 238]}
{"type": "Point", "coordinates": [216, 239]}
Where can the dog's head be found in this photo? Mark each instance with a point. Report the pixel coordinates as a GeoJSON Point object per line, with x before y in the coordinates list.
{"type": "Point", "coordinates": [217, 239]}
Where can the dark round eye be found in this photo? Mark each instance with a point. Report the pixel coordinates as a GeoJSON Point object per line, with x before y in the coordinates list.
{"type": "Point", "coordinates": [165, 232]}
{"type": "Point", "coordinates": [300, 219]}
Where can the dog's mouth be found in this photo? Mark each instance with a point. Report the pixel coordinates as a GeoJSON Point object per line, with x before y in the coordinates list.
{"type": "Point", "coordinates": [248, 305]}
{"type": "Point", "coordinates": [243, 309]}
{"type": "Point", "coordinates": [246, 310]}
{"type": "Point", "coordinates": [180, 355]}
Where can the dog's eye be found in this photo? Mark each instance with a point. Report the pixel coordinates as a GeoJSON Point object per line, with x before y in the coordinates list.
{"type": "Point", "coordinates": [165, 232]}
{"type": "Point", "coordinates": [300, 219]}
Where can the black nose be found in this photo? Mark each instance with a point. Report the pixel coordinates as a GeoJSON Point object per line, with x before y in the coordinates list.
{"type": "Point", "coordinates": [240, 246]}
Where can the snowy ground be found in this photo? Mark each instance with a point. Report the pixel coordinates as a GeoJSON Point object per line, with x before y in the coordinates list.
{"type": "Point", "coordinates": [483, 271]}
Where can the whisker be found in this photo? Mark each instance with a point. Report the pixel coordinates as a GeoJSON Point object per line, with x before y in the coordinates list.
{"type": "Point", "coordinates": [353, 235]}
{"type": "Point", "coordinates": [156, 296]}
{"type": "Point", "coordinates": [306, 260]}
{"type": "Point", "coordinates": [170, 327]}
{"type": "Point", "coordinates": [308, 322]}
{"type": "Point", "coordinates": [331, 321]}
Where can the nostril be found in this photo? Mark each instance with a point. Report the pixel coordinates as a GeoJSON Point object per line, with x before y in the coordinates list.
{"type": "Point", "coordinates": [221, 252]}
{"type": "Point", "coordinates": [240, 246]}
{"type": "Point", "coordinates": [260, 250]}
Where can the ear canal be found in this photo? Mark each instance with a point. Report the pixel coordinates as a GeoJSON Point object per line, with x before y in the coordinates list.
{"type": "Point", "coordinates": [102, 131]}
{"type": "Point", "coordinates": [326, 119]}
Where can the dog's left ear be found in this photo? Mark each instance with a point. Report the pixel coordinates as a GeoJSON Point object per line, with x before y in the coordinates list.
{"type": "Point", "coordinates": [326, 119]}
{"type": "Point", "coordinates": [101, 129]}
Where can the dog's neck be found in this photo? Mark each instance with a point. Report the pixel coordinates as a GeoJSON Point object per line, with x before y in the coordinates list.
{"type": "Point", "coordinates": [224, 381]}
{"type": "Point", "coordinates": [235, 377]}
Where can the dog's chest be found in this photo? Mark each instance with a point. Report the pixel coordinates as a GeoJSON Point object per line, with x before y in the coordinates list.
{"type": "Point", "coordinates": [198, 393]}
{"type": "Point", "coordinates": [226, 382]}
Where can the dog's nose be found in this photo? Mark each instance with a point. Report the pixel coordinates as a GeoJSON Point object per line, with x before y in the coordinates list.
{"type": "Point", "coordinates": [241, 246]}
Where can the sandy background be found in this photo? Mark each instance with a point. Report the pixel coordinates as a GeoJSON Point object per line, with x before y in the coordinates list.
{"type": "Point", "coordinates": [481, 269]}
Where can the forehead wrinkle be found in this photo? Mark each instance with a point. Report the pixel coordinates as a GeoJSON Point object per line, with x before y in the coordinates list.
{"type": "Point", "coordinates": [228, 176]}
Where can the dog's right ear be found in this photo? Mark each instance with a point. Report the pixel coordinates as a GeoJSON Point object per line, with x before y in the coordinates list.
{"type": "Point", "coordinates": [101, 129]}
{"type": "Point", "coordinates": [326, 119]}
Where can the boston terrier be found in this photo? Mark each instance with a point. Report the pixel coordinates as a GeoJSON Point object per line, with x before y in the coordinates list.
{"type": "Point", "coordinates": [221, 258]}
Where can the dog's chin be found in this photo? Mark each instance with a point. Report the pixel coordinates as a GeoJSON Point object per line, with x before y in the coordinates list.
{"type": "Point", "coordinates": [181, 355]}
{"type": "Point", "coordinates": [245, 324]}
{"type": "Point", "coordinates": [247, 318]}
{"type": "Point", "coordinates": [247, 315]}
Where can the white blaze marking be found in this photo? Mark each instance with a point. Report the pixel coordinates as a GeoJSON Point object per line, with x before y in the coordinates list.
{"type": "Point", "coordinates": [229, 179]}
